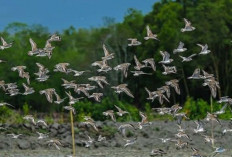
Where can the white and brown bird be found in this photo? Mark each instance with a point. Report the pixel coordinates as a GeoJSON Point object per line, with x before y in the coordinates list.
{"type": "Point", "coordinates": [180, 48]}
{"type": "Point", "coordinates": [150, 62]}
{"type": "Point", "coordinates": [48, 93]}
{"type": "Point", "coordinates": [134, 42]}
{"type": "Point", "coordinates": [107, 54]}
{"type": "Point", "coordinates": [120, 111]}
{"type": "Point", "coordinates": [72, 100]}
{"type": "Point", "coordinates": [150, 35]}
{"type": "Point", "coordinates": [99, 80]}
{"type": "Point", "coordinates": [166, 57]}
{"type": "Point", "coordinates": [96, 96]}
{"type": "Point", "coordinates": [204, 49]}
{"type": "Point", "coordinates": [111, 114]}
{"type": "Point", "coordinates": [138, 66]}
{"type": "Point", "coordinates": [123, 67]}
{"type": "Point", "coordinates": [196, 74]}
{"type": "Point", "coordinates": [187, 59]}
{"type": "Point", "coordinates": [122, 88]}
{"type": "Point", "coordinates": [188, 26]}
{"type": "Point", "coordinates": [5, 45]}
{"type": "Point", "coordinates": [54, 142]}
{"type": "Point", "coordinates": [28, 90]}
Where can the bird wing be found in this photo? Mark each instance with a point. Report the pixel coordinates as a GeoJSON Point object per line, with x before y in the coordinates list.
{"type": "Point", "coordinates": [106, 52]}
{"type": "Point", "coordinates": [3, 41]}
{"type": "Point", "coordinates": [33, 45]}
{"type": "Point", "coordinates": [128, 92]}
{"type": "Point", "coordinates": [181, 45]}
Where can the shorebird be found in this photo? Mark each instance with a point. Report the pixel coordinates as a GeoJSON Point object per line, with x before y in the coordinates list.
{"type": "Point", "coordinates": [225, 99]}
{"type": "Point", "coordinates": [34, 49]}
{"type": "Point", "coordinates": [68, 84]}
{"type": "Point", "coordinates": [107, 54]}
{"type": "Point", "coordinates": [213, 85]}
{"type": "Point", "coordinates": [101, 138]}
{"type": "Point", "coordinates": [2, 61]}
{"type": "Point", "coordinates": [180, 144]}
{"type": "Point", "coordinates": [166, 89]}
{"type": "Point", "coordinates": [99, 80]}
{"type": "Point", "coordinates": [13, 92]}
{"type": "Point", "coordinates": [163, 111]}
{"type": "Point", "coordinates": [28, 90]}
{"type": "Point", "coordinates": [226, 130]}
{"type": "Point", "coordinates": [27, 76]}
{"type": "Point", "coordinates": [20, 70]}
{"type": "Point", "coordinates": [123, 67]}
{"type": "Point", "coordinates": [5, 45]}
{"type": "Point", "coordinates": [169, 70]}
{"type": "Point", "coordinates": [48, 47]}
{"type": "Point", "coordinates": [144, 121]}
{"type": "Point", "coordinates": [196, 74]}
{"type": "Point", "coordinates": [54, 37]}
{"type": "Point", "coordinates": [222, 110]}
{"type": "Point", "coordinates": [76, 73]}
{"type": "Point", "coordinates": [151, 95]}
{"type": "Point", "coordinates": [130, 141]}
{"type": "Point", "coordinates": [180, 129]}
{"type": "Point", "coordinates": [208, 139]}
{"type": "Point", "coordinates": [120, 111]}
{"type": "Point", "coordinates": [207, 75]}
{"type": "Point", "coordinates": [182, 134]}
{"type": "Point", "coordinates": [111, 114]}
{"type": "Point", "coordinates": [30, 118]}
{"type": "Point", "coordinates": [187, 59]}
{"type": "Point", "coordinates": [156, 152]}
{"type": "Point", "coordinates": [104, 68]}
{"type": "Point", "coordinates": [88, 142]}
{"type": "Point", "coordinates": [6, 104]}
{"type": "Point", "coordinates": [14, 136]}
{"type": "Point", "coordinates": [137, 73]}
{"type": "Point", "coordinates": [165, 140]}
{"type": "Point", "coordinates": [195, 152]}
{"type": "Point", "coordinates": [159, 93]}
{"type": "Point", "coordinates": [58, 99]}
{"type": "Point", "coordinates": [2, 85]}
{"type": "Point", "coordinates": [97, 63]}
{"type": "Point", "coordinates": [188, 26]}
{"type": "Point", "coordinates": [212, 117]}
{"type": "Point", "coordinates": [96, 96]}
{"type": "Point", "coordinates": [199, 128]}
{"type": "Point", "coordinates": [150, 35]}
{"type": "Point", "coordinates": [91, 123]}
{"type": "Point", "coordinates": [180, 117]}
{"type": "Point", "coordinates": [55, 143]}
{"type": "Point", "coordinates": [150, 61]}
{"type": "Point", "coordinates": [180, 48]}
{"type": "Point", "coordinates": [48, 93]}
{"type": "Point", "coordinates": [72, 100]}
{"type": "Point", "coordinates": [122, 88]}
{"type": "Point", "coordinates": [204, 49]}
{"type": "Point", "coordinates": [61, 67]}
{"type": "Point", "coordinates": [138, 64]}
{"type": "Point", "coordinates": [134, 42]}
{"type": "Point", "coordinates": [218, 150]}
{"type": "Point", "coordinates": [41, 122]}
{"type": "Point", "coordinates": [79, 88]}
{"type": "Point", "coordinates": [166, 57]}
{"type": "Point", "coordinates": [42, 135]}
{"type": "Point", "coordinates": [122, 128]}
{"type": "Point", "coordinates": [175, 84]}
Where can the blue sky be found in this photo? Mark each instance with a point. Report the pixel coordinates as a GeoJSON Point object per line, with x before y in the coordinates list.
{"type": "Point", "coordinates": [60, 14]}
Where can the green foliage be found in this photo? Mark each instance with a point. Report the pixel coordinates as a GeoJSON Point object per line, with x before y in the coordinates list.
{"type": "Point", "coordinates": [25, 109]}
{"type": "Point", "coordinates": [197, 109]}
{"type": "Point", "coordinates": [108, 130]}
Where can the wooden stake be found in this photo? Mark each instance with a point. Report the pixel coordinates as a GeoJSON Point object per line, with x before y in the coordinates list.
{"type": "Point", "coordinates": [73, 137]}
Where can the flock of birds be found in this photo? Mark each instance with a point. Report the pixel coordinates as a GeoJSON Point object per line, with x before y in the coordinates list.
{"type": "Point", "coordinates": [162, 94]}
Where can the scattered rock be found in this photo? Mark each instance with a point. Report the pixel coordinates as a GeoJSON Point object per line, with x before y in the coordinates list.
{"type": "Point", "coordinates": [23, 144]}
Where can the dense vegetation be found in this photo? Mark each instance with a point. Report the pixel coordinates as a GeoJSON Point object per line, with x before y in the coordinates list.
{"type": "Point", "coordinates": [81, 47]}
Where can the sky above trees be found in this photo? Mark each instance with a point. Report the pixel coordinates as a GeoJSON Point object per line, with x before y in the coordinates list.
{"type": "Point", "coordinates": [60, 14]}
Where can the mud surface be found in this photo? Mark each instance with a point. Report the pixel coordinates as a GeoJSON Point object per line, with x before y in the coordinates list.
{"type": "Point", "coordinates": [147, 139]}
